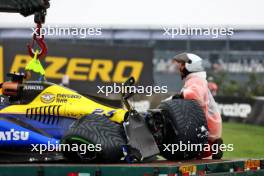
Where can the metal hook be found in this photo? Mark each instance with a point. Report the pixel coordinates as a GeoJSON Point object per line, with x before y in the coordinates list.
{"type": "Point", "coordinates": [39, 38]}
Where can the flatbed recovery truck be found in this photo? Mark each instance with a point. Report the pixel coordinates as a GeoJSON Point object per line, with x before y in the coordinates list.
{"type": "Point", "coordinates": [159, 168]}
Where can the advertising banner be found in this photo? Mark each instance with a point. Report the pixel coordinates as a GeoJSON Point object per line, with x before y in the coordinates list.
{"type": "Point", "coordinates": [85, 66]}
{"type": "Point", "coordinates": [238, 109]}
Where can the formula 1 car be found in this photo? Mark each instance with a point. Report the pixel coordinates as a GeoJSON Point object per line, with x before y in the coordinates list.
{"type": "Point", "coordinates": [38, 113]}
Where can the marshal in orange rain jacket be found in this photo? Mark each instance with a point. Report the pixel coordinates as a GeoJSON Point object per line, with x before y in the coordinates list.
{"type": "Point", "coordinates": [196, 88]}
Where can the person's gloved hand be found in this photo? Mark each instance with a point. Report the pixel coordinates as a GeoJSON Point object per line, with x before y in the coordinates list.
{"type": "Point", "coordinates": [29, 7]}
{"type": "Point", "coordinates": [175, 96]}
{"type": "Point", "coordinates": [178, 96]}
{"type": "Point", "coordinates": [219, 154]}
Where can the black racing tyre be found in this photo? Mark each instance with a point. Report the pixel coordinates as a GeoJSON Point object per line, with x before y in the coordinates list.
{"type": "Point", "coordinates": [185, 124]}
{"type": "Point", "coordinates": [219, 153]}
{"type": "Point", "coordinates": [107, 136]}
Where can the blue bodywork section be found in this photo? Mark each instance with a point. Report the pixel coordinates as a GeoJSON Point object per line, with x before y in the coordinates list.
{"type": "Point", "coordinates": [16, 130]}
{"type": "Point", "coordinates": [15, 135]}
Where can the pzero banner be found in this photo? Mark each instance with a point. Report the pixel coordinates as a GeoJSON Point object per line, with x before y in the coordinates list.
{"type": "Point", "coordinates": [86, 66]}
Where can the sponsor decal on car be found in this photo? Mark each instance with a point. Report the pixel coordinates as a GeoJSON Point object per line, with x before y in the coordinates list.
{"type": "Point", "coordinates": [14, 135]}
{"type": "Point", "coordinates": [107, 114]}
{"type": "Point", "coordinates": [63, 98]}
{"type": "Point", "coordinates": [68, 96]}
{"type": "Point", "coordinates": [47, 97]}
{"type": "Point", "coordinates": [33, 87]}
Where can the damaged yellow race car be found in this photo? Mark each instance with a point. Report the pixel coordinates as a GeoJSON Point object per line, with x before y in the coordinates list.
{"type": "Point", "coordinates": [41, 120]}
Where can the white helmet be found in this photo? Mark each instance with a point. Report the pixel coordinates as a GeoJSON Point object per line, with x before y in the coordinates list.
{"type": "Point", "coordinates": [193, 63]}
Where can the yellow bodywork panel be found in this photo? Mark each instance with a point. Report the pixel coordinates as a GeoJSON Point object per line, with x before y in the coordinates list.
{"type": "Point", "coordinates": [71, 104]}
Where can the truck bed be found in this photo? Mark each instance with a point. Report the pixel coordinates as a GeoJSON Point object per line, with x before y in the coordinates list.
{"type": "Point", "coordinates": [157, 168]}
